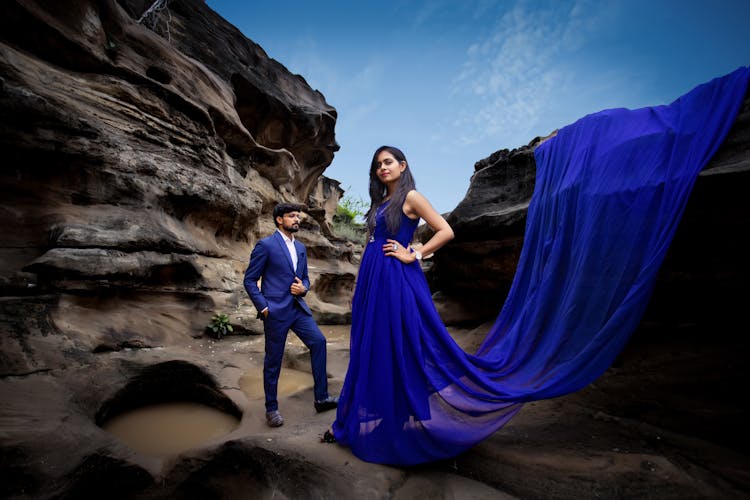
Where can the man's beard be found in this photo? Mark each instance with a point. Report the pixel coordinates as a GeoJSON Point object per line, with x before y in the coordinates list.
{"type": "Point", "coordinates": [293, 228]}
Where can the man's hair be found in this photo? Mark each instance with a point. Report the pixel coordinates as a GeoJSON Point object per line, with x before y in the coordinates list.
{"type": "Point", "coordinates": [282, 209]}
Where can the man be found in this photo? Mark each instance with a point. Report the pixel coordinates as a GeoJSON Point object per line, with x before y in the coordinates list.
{"type": "Point", "coordinates": [281, 261]}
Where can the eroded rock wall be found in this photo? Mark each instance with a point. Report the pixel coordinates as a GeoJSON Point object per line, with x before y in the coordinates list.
{"type": "Point", "coordinates": [142, 160]}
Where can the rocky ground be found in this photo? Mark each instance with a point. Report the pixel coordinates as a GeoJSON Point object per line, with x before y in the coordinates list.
{"type": "Point", "coordinates": [598, 443]}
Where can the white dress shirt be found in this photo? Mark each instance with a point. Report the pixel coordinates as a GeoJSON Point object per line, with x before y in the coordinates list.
{"type": "Point", "coordinates": [290, 246]}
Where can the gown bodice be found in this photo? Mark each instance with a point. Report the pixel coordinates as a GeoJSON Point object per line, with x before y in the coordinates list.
{"type": "Point", "coordinates": [403, 235]}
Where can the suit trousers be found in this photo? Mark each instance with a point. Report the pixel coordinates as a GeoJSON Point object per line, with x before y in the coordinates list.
{"type": "Point", "coordinates": [276, 330]}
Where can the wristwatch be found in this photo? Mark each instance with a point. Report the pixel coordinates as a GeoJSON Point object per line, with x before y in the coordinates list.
{"type": "Point", "coordinates": [418, 254]}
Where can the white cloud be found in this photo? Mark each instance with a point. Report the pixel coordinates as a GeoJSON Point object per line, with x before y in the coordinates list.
{"type": "Point", "coordinates": [514, 73]}
{"type": "Point", "coordinates": [425, 12]}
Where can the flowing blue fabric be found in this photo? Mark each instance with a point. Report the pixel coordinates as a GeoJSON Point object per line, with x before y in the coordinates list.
{"type": "Point", "coordinates": [610, 191]}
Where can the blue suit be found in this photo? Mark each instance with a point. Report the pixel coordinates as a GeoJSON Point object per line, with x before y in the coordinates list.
{"type": "Point", "coordinates": [271, 262]}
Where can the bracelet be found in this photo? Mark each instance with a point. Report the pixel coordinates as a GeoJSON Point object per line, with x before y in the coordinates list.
{"type": "Point", "coordinates": [418, 254]}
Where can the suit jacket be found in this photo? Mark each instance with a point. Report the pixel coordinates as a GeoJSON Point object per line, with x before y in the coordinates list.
{"type": "Point", "coordinates": [271, 262]}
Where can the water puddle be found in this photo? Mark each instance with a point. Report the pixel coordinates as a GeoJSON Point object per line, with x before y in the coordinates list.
{"type": "Point", "coordinates": [170, 428]}
{"type": "Point", "coordinates": [290, 382]}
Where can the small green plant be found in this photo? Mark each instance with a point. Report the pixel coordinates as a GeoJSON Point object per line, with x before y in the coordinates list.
{"type": "Point", "coordinates": [219, 326]}
{"type": "Point", "coordinates": [348, 222]}
{"type": "Point", "coordinates": [352, 209]}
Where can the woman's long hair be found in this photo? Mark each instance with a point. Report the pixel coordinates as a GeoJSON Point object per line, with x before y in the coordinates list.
{"type": "Point", "coordinates": [378, 192]}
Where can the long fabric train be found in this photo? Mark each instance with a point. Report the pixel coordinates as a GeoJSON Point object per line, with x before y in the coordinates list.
{"type": "Point", "coordinates": [610, 191]}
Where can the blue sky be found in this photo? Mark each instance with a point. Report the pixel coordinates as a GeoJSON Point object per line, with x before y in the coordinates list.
{"type": "Point", "coordinates": [450, 81]}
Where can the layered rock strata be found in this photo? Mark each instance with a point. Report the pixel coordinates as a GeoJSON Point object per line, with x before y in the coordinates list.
{"type": "Point", "coordinates": [142, 161]}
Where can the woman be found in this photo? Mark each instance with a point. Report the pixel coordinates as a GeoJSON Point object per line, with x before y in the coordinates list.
{"type": "Point", "coordinates": [393, 196]}
{"type": "Point", "coordinates": [387, 409]}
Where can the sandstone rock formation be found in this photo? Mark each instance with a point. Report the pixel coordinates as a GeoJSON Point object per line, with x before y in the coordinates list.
{"type": "Point", "coordinates": [140, 166]}
{"type": "Point", "coordinates": [472, 274]}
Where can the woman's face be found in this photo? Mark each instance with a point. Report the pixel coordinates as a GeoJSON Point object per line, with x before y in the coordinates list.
{"type": "Point", "coordinates": [387, 168]}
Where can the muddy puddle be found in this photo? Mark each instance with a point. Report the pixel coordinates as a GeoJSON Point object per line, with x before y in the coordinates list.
{"type": "Point", "coordinates": [291, 381]}
{"type": "Point", "coordinates": [171, 428]}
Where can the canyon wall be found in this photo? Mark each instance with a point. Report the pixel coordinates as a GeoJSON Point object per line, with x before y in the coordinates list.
{"type": "Point", "coordinates": [142, 161]}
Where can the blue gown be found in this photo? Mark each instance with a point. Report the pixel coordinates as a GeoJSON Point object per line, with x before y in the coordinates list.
{"type": "Point", "coordinates": [390, 410]}
{"type": "Point", "coordinates": [609, 193]}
